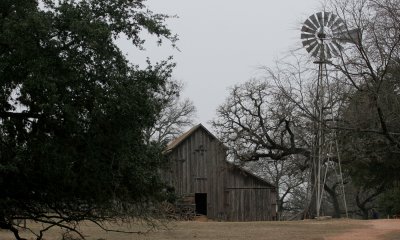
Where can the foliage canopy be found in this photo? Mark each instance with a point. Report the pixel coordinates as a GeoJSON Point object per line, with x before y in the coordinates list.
{"type": "Point", "coordinates": [73, 111]}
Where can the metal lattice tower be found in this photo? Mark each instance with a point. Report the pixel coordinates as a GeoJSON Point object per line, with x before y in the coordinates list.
{"type": "Point", "coordinates": [322, 35]}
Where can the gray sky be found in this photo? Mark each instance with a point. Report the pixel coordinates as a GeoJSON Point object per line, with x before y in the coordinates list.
{"type": "Point", "coordinates": [224, 42]}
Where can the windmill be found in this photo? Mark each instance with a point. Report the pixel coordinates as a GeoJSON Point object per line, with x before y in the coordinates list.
{"type": "Point", "coordinates": [323, 32]}
{"type": "Point", "coordinates": [322, 35]}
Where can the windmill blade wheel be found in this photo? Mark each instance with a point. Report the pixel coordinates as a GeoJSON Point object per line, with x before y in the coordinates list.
{"type": "Point", "coordinates": [319, 35]}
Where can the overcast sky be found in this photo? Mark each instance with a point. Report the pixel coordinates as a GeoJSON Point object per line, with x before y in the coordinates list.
{"type": "Point", "coordinates": [224, 42]}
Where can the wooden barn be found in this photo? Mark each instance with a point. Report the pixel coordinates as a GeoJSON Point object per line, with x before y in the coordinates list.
{"type": "Point", "coordinates": [198, 170]}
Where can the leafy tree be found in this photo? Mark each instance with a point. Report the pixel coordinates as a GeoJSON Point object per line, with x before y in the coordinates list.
{"type": "Point", "coordinates": [369, 128]}
{"type": "Point", "coordinates": [73, 112]}
{"type": "Point", "coordinates": [389, 202]}
{"type": "Point", "coordinates": [372, 158]}
{"type": "Point", "coordinates": [369, 65]}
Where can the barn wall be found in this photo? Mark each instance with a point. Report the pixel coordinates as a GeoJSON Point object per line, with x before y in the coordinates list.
{"type": "Point", "coordinates": [198, 165]}
{"type": "Point", "coordinates": [248, 198]}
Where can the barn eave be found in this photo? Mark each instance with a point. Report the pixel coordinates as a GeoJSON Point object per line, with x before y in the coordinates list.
{"type": "Point", "coordinates": [179, 140]}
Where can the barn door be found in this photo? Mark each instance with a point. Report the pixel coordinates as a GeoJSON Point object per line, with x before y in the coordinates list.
{"type": "Point", "coordinates": [201, 203]}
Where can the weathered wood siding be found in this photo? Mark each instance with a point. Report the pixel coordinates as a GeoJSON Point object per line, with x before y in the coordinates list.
{"type": "Point", "coordinates": [198, 165]}
{"type": "Point", "coordinates": [194, 168]}
{"type": "Point", "coordinates": [248, 198]}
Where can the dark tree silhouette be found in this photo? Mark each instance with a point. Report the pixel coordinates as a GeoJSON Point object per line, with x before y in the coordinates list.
{"type": "Point", "coordinates": [73, 112]}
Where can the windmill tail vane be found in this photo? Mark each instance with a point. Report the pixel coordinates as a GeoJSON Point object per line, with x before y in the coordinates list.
{"type": "Point", "coordinates": [350, 36]}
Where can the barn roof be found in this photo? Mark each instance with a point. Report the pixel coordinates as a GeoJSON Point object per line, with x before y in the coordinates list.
{"type": "Point", "coordinates": [177, 141]}
{"type": "Point", "coordinates": [251, 174]}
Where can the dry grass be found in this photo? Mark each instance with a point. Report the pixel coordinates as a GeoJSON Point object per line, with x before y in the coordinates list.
{"type": "Point", "coordinates": [299, 230]}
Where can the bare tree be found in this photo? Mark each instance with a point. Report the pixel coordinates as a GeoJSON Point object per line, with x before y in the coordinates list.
{"type": "Point", "coordinates": [176, 114]}
{"type": "Point", "coordinates": [256, 123]}
{"type": "Point", "coordinates": [287, 177]}
{"type": "Point", "coordinates": [278, 117]}
{"type": "Point", "coordinates": [260, 122]}
{"type": "Point", "coordinates": [365, 100]}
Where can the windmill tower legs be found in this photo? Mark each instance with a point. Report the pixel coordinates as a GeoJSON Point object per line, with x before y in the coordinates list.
{"type": "Point", "coordinates": [320, 134]}
{"type": "Point", "coordinates": [325, 145]}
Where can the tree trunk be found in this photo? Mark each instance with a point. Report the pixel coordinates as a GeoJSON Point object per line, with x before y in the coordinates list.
{"type": "Point", "coordinates": [279, 201]}
{"type": "Point", "coordinates": [365, 214]}
{"type": "Point", "coordinates": [336, 207]}
{"type": "Point", "coordinates": [310, 210]}
{"type": "Point", "coordinates": [312, 207]}
{"type": "Point", "coordinates": [362, 207]}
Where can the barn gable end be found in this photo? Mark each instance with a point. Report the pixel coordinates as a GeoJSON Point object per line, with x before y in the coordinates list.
{"type": "Point", "coordinates": [198, 167]}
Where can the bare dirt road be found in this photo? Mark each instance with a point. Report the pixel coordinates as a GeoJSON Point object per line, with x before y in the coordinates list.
{"type": "Point", "coordinates": [343, 229]}
{"type": "Point", "coordinates": [375, 230]}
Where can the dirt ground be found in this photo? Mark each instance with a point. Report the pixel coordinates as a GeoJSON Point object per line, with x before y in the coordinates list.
{"type": "Point", "coordinates": [299, 230]}
{"type": "Point", "coordinates": [376, 229]}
